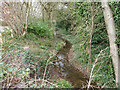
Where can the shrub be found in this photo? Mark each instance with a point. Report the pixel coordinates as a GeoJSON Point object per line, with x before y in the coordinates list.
{"type": "Point", "coordinates": [41, 29]}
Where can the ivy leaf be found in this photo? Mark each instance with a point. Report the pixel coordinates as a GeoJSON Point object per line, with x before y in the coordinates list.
{"type": "Point", "coordinates": [10, 69]}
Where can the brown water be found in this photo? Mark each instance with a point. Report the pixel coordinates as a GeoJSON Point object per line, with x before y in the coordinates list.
{"type": "Point", "coordinates": [67, 70]}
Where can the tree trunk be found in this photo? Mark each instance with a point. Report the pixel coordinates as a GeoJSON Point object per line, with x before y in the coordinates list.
{"type": "Point", "coordinates": [109, 21]}
{"type": "Point", "coordinates": [43, 14]}
{"type": "Point", "coordinates": [1, 45]}
{"type": "Point", "coordinates": [26, 19]}
{"type": "Point", "coordinates": [91, 32]}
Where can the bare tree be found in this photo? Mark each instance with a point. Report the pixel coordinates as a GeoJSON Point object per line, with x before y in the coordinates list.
{"type": "Point", "coordinates": [48, 8]}
{"type": "Point", "coordinates": [15, 14]}
{"type": "Point", "coordinates": [28, 5]}
{"type": "Point", "coordinates": [109, 21]}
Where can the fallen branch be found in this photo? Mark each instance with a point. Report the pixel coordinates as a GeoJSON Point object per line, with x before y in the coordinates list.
{"type": "Point", "coordinates": [30, 82]}
{"type": "Point", "coordinates": [46, 70]}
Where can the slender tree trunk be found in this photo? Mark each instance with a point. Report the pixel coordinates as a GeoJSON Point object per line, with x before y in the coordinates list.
{"type": "Point", "coordinates": [26, 19]}
{"type": "Point", "coordinates": [49, 15]}
{"type": "Point", "coordinates": [1, 45]}
{"type": "Point", "coordinates": [91, 34]}
{"type": "Point", "coordinates": [109, 21]}
{"type": "Point", "coordinates": [92, 29]}
{"type": "Point", "coordinates": [43, 14]}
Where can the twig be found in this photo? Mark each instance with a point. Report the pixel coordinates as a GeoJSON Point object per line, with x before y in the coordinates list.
{"type": "Point", "coordinates": [91, 74]}
{"type": "Point", "coordinates": [46, 70]}
{"type": "Point", "coordinates": [30, 82]}
{"type": "Point", "coordinates": [51, 83]}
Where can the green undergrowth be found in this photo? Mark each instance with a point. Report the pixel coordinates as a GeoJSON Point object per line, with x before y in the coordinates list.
{"type": "Point", "coordinates": [24, 60]}
{"type": "Point", "coordinates": [64, 84]}
{"type": "Point", "coordinates": [103, 73]}
{"type": "Point", "coordinates": [40, 28]}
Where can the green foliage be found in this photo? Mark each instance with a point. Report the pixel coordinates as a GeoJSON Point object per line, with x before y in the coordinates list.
{"type": "Point", "coordinates": [100, 35]}
{"type": "Point", "coordinates": [31, 36]}
{"type": "Point", "coordinates": [64, 84]}
{"type": "Point", "coordinates": [29, 65]}
{"type": "Point", "coordinates": [115, 6]}
{"type": "Point", "coordinates": [65, 20]}
{"type": "Point", "coordinates": [26, 58]}
{"type": "Point", "coordinates": [59, 45]}
{"type": "Point", "coordinates": [65, 23]}
{"type": "Point", "coordinates": [103, 71]}
{"type": "Point", "coordinates": [2, 70]}
{"type": "Point", "coordinates": [80, 40]}
{"type": "Point", "coordinates": [40, 29]}
{"type": "Point", "coordinates": [14, 67]}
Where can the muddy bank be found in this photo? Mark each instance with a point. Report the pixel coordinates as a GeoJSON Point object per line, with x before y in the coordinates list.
{"type": "Point", "coordinates": [67, 70]}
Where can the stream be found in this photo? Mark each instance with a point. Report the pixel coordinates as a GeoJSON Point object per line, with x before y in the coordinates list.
{"type": "Point", "coordinates": [67, 70]}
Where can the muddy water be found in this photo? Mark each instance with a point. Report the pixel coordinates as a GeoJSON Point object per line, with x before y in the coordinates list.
{"type": "Point", "coordinates": [67, 70]}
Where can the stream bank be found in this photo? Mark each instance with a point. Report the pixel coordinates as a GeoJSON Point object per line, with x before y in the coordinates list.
{"type": "Point", "coordinates": [66, 69]}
